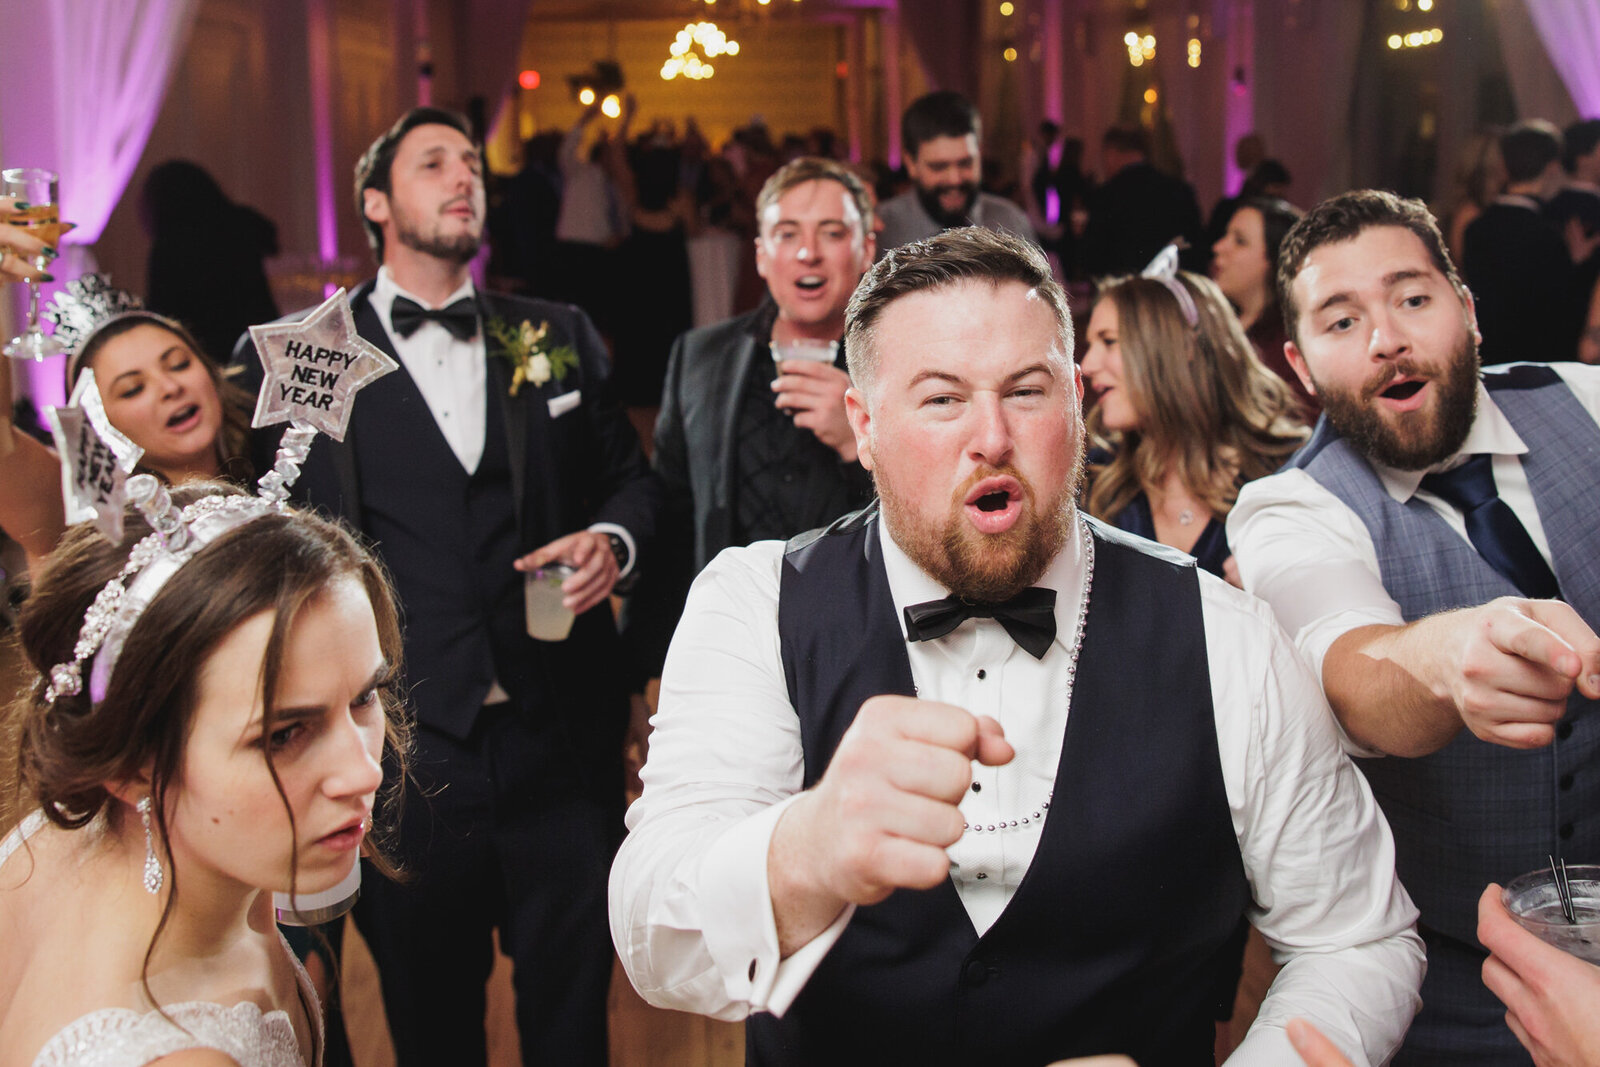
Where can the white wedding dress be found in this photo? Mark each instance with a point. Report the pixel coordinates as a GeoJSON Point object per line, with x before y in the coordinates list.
{"type": "Point", "coordinates": [121, 1037]}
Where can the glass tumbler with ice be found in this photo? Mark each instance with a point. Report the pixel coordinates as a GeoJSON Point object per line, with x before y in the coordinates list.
{"type": "Point", "coordinates": [1532, 900]}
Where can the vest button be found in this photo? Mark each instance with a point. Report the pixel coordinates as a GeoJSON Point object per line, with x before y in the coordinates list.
{"type": "Point", "coordinates": [1566, 782]}
{"type": "Point", "coordinates": [976, 972]}
{"type": "Point", "coordinates": [1564, 730]}
{"type": "Point", "coordinates": [1566, 831]}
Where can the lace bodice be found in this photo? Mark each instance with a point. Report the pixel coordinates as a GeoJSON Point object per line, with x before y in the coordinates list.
{"type": "Point", "coordinates": [121, 1037]}
{"type": "Point", "coordinates": [118, 1037]}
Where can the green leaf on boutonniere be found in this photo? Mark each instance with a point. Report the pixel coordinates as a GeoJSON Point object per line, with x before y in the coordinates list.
{"type": "Point", "coordinates": [532, 358]}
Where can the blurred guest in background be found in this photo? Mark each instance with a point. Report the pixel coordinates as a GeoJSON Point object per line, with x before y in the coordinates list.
{"type": "Point", "coordinates": [941, 136]}
{"type": "Point", "coordinates": [206, 252]}
{"type": "Point", "coordinates": [1245, 266]}
{"type": "Point", "coordinates": [1138, 209]}
{"type": "Point", "coordinates": [1519, 266]}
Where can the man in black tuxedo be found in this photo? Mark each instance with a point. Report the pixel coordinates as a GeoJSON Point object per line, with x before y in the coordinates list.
{"type": "Point", "coordinates": [466, 473]}
{"type": "Point", "coordinates": [749, 450]}
{"type": "Point", "coordinates": [1519, 264]}
{"type": "Point", "coordinates": [1138, 210]}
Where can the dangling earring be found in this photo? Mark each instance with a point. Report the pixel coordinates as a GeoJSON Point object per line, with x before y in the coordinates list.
{"type": "Point", "coordinates": [153, 875]}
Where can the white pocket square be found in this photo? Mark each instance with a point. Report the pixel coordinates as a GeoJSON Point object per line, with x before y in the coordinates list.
{"type": "Point", "coordinates": [560, 405]}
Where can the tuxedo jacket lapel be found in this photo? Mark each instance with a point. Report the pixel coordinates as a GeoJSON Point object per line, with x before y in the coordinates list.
{"type": "Point", "coordinates": [750, 353]}
{"type": "Point", "coordinates": [524, 419]}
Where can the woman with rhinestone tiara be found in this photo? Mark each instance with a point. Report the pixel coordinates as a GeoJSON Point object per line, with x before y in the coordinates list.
{"type": "Point", "coordinates": [210, 710]}
{"type": "Point", "coordinates": [157, 387]}
{"type": "Point", "coordinates": [1185, 411]}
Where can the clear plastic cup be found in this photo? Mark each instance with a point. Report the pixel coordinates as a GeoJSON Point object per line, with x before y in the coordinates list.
{"type": "Point", "coordinates": [547, 618]}
{"type": "Point", "coordinates": [1532, 900]}
{"type": "Point", "coordinates": [804, 348]}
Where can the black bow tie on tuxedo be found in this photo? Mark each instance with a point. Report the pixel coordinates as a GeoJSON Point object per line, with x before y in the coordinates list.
{"type": "Point", "coordinates": [1029, 617]}
{"type": "Point", "coordinates": [460, 318]}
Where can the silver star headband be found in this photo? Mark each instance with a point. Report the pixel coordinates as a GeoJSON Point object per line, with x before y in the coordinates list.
{"type": "Point", "coordinates": [308, 397]}
{"type": "Point", "coordinates": [85, 305]}
{"type": "Point", "coordinates": [96, 459]}
{"type": "Point", "coordinates": [1164, 269]}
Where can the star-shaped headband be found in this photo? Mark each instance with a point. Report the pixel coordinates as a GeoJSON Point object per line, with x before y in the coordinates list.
{"type": "Point", "coordinates": [85, 305]}
{"type": "Point", "coordinates": [1164, 269]}
{"type": "Point", "coordinates": [314, 370]}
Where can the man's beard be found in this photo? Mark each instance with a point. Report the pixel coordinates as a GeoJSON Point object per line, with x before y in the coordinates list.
{"type": "Point", "coordinates": [458, 249]}
{"type": "Point", "coordinates": [977, 567]}
{"type": "Point", "coordinates": [930, 204]}
{"type": "Point", "coordinates": [1416, 447]}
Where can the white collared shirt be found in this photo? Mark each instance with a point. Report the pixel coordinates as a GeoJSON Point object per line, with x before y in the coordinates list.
{"type": "Point", "coordinates": [452, 375]}
{"type": "Point", "coordinates": [690, 910]}
{"type": "Point", "coordinates": [1305, 552]}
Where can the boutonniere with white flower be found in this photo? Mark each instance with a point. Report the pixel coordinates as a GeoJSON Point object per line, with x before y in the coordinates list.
{"type": "Point", "coordinates": [532, 359]}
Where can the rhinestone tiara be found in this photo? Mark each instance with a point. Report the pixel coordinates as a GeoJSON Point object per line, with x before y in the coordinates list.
{"type": "Point", "coordinates": [86, 304]}
{"type": "Point", "coordinates": [175, 538]}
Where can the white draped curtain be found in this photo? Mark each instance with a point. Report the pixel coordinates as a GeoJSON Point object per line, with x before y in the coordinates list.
{"type": "Point", "coordinates": [84, 84]}
{"type": "Point", "coordinates": [1570, 30]}
{"type": "Point", "coordinates": [86, 79]}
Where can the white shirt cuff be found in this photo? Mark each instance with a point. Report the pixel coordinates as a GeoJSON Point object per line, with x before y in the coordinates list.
{"type": "Point", "coordinates": [740, 932]}
{"type": "Point", "coordinates": [627, 540]}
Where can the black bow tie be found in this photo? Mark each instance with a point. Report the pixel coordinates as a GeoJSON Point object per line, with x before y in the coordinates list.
{"type": "Point", "coordinates": [460, 318]}
{"type": "Point", "coordinates": [1029, 617]}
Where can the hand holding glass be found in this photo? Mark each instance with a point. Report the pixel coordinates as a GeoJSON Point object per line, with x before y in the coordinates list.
{"type": "Point", "coordinates": [41, 217]}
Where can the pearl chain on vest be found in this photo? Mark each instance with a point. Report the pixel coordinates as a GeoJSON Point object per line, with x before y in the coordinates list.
{"type": "Point", "coordinates": [1037, 815]}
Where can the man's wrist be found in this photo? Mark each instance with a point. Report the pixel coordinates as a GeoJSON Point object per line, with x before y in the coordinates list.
{"type": "Point", "coordinates": [620, 543]}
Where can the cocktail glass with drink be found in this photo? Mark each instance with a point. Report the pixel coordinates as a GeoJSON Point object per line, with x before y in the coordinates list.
{"type": "Point", "coordinates": [547, 618]}
{"type": "Point", "coordinates": [805, 348]}
{"type": "Point", "coordinates": [1532, 899]}
{"type": "Point", "coordinates": [42, 218]}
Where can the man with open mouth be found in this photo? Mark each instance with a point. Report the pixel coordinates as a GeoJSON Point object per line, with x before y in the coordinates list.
{"type": "Point", "coordinates": [968, 777]}
{"type": "Point", "coordinates": [751, 442]}
{"type": "Point", "coordinates": [941, 139]}
{"type": "Point", "coordinates": [1434, 552]}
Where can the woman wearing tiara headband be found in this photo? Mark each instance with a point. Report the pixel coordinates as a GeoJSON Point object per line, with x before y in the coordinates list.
{"type": "Point", "coordinates": [157, 387]}
{"type": "Point", "coordinates": [1186, 412]}
{"type": "Point", "coordinates": [228, 747]}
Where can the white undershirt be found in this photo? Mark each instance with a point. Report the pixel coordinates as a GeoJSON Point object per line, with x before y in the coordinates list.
{"type": "Point", "coordinates": [452, 375]}
{"type": "Point", "coordinates": [690, 911]}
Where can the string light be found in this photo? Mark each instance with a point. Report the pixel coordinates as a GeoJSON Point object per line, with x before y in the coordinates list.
{"type": "Point", "coordinates": [1010, 55]}
{"type": "Point", "coordinates": [1007, 8]}
{"type": "Point", "coordinates": [1140, 49]}
{"type": "Point", "coordinates": [1416, 39]}
{"type": "Point", "coordinates": [611, 106]}
{"type": "Point", "coordinates": [1194, 51]}
{"type": "Point", "coordinates": [1150, 95]}
{"type": "Point", "coordinates": [586, 96]}
{"type": "Point", "coordinates": [691, 49]}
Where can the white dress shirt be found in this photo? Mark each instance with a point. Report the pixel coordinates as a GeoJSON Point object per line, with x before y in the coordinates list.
{"type": "Point", "coordinates": [1305, 552]}
{"type": "Point", "coordinates": [690, 909]}
{"type": "Point", "coordinates": [451, 374]}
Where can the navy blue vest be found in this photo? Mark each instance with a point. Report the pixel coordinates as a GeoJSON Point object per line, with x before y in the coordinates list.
{"type": "Point", "coordinates": [451, 559]}
{"type": "Point", "coordinates": [1475, 812]}
{"type": "Point", "coordinates": [1124, 935]}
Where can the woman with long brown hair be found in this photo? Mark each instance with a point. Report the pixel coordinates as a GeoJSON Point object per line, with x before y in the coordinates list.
{"type": "Point", "coordinates": [157, 386]}
{"type": "Point", "coordinates": [205, 726]}
{"type": "Point", "coordinates": [1185, 414]}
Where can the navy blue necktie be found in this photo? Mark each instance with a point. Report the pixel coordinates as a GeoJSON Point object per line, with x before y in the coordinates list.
{"type": "Point", "coordinates": [1029, 617]}
{"type": "Point", "coordinates": [1493, 528]}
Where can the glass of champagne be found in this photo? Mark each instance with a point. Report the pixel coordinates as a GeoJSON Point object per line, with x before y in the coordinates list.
{"type": "Point", "coordinates": [42, 218]}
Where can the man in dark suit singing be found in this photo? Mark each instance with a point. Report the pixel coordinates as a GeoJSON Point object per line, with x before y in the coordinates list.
{"type": "Point", "coordinates": [497, 450]}
{"type": "Point", "coordinates": [749, 449]}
